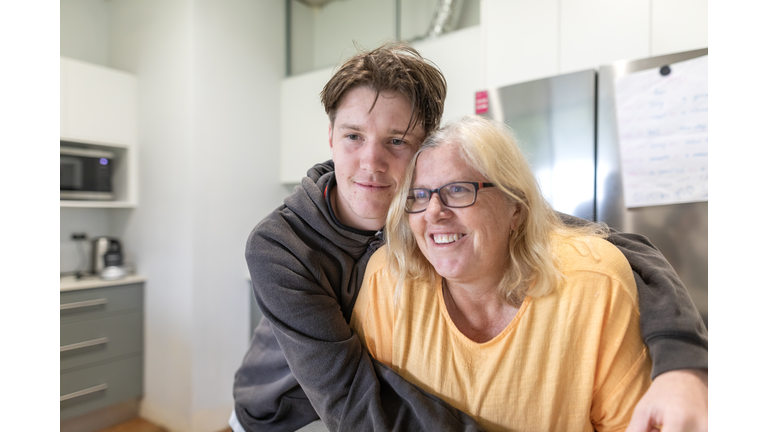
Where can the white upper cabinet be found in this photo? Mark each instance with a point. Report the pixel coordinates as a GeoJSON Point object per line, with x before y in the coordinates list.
{"type": "Point", "coordinates": [98, 104]}
{"type": "Point", "coordinates": [303, 125]}
{"type": "Point", "coordinates": [678, 25]}
{"type": "Point", "coordinates": [597, 32]}
{"type": "Point", "coordinates": [459, 56]}
{"type": "Point", "coordinates": [98, 110]}
{"type": "Point", "coordinates": [521, 41]}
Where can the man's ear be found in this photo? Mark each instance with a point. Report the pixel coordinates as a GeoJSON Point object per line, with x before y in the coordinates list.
{"type": "Point", "coordinates": [330, 136]}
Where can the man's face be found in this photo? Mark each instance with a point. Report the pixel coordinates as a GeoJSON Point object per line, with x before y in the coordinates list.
{"type": "Point", "coordinates": [370, 155]}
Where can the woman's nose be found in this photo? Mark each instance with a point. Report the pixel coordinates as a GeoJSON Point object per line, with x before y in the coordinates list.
{"type": "Point", "coordinates": [434, 211]}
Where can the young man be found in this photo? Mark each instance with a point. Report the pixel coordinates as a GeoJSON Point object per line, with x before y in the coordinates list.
{"type": "Point", "coordinates": [307, 260]}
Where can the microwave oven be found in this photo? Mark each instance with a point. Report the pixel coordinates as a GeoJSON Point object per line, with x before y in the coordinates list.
{"type": "Point", "coordinates": [86, 174]}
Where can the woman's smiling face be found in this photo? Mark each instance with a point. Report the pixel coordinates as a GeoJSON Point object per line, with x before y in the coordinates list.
{"type": "Point", "coordinates": [465, 245]}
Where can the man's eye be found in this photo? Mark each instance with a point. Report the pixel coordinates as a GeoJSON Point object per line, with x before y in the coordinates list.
{"type": "Point", "coordinates": [420, 195]}
{"type": "Point", "coordinates": [353, 137]}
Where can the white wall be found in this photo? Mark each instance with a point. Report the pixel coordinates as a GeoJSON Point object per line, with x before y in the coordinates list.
{"type": "Point", "coordinates": [209, 74]}
{"type": "Point", "coordinates": [337, 24]}
{"type": "Point", "coordinates": [302, 28]}
{"type": "Point", "coordinates": [84, 36]}
{"type": "Point", "coordinates": [239, 63]}
{"type": "Point", "coordinates": [84, 30]}
{"type": "Point", "coordinates": [153, 40]}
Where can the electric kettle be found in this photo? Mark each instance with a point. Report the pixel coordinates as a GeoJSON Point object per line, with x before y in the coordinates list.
{"type": "Point", "coordinates": [107, 258]}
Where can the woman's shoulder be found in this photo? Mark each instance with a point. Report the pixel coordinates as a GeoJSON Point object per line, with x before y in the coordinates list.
{"type": "Point", "coordinates": [378, 261]}
{"type": "Point", "coordinates": [377, 274]}
{"type": "Point", "coordinates": [591, 252]}
{"type": "Point", "coordinates": [596, 256]}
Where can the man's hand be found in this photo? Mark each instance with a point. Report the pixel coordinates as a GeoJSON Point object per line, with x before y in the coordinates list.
{"type": "Point", "coordinates": [676, 401]}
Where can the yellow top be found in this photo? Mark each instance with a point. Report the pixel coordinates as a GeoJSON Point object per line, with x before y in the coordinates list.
{"type": "Point", "coordinates": [573, 360]}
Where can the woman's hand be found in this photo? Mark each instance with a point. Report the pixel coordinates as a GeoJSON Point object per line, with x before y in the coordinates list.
{"type": "Point", "coordinates": [677, 401]}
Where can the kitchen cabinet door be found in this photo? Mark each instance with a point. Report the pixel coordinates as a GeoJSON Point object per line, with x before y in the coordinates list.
{"type": "Point", "coordinates": [678, 25]}
{"type": "Point", "coordinates": [596, 32]}
{"type": "Point", "coordinates": [521, 41]}
{"type": "Point", "coordinates": [98, 104]}
{"type": "Point", "coordinates": [303, 125]}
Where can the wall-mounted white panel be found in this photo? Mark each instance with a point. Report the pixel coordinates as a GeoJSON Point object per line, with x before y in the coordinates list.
{"type": "Point", "coordinates": [521, 40]}
{"type": "Point", "coordinates": [596, 32]}
{"type": "Point", "coordinates": [98, 104]}
{"type": "Point", "coordinates": [303, 125]}
{"type": "Point", "coordinates": [678, 25]}
{"type": "Point", "coordinates": [459, 57]}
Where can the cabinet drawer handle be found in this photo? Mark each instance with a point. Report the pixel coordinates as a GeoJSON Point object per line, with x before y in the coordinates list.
{"type": "Point", "coordinates": [84, 392]}
{"type": "Point", "coordinates": [74, 346]}
{"type": "Point", "coordinates": [81, 304]}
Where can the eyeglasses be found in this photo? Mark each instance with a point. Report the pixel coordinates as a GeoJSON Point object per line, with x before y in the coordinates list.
{"type": "Point", "coordinates": [453, 195]}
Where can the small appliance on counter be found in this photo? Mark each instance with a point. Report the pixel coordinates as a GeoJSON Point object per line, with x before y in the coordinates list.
{"type": "Point", "coordinates": [107, 262]}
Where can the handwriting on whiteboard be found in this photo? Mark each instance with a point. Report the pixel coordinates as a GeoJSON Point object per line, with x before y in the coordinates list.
{"type": "Point", "coordinates": [663, 134]}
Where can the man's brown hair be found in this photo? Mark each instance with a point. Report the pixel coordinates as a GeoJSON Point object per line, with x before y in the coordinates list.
{"type": "Point", "coordinates": [393, 67]}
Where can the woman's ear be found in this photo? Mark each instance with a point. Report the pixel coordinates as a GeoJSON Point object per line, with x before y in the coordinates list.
{"type": "Point", "coordinates": [517, 216]}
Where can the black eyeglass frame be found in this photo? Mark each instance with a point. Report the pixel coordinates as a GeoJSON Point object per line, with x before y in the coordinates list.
{"type": "Point", "coordinates": [478, 186]}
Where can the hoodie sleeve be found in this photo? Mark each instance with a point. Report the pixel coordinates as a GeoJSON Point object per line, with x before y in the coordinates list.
{"type": "Point", "coordinates": [670, 323]}
{"type": "Point", "coordinates": [343, 385]}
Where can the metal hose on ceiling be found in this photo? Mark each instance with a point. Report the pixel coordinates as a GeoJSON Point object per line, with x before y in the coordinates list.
{"type": "Point", "coordinates": [445, 18]}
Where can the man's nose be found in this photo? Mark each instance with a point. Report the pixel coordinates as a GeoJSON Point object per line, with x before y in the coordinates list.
{"type": "Point", "coordinates": [373, 158]}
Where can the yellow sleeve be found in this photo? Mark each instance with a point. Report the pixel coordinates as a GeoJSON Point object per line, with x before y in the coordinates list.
{"type": "Point", "coordinates": [373, 314]}
{"type": "Point", "coordinates": [623, 372]}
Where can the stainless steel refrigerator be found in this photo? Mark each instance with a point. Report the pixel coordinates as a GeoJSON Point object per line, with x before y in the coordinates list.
{"type": "Point", "coordinates": [567, 126]}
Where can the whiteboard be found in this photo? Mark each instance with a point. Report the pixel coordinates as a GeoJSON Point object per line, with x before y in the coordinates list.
{"type": "Point", "coordinates": [663, 134]}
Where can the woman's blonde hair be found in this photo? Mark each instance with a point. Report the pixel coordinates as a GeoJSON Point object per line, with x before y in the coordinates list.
{"type": "Point", "coordinates": [490, 148]}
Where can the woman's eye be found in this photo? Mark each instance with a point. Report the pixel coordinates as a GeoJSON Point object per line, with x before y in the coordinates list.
{"type": "Point", "coordinates": [398, 142]}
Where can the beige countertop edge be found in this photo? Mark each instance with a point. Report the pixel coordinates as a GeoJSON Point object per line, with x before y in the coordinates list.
{"type": "Point", "coordinates": [69, 283]}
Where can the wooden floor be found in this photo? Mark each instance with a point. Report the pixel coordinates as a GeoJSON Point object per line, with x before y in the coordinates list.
{"type": "Point", "coordinates": [141, 425]}
{"type": "Point", "coordinates": [136, 425]}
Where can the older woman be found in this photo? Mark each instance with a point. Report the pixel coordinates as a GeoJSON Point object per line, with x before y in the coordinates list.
{"type": "Point", "coordinates": [485, 299]}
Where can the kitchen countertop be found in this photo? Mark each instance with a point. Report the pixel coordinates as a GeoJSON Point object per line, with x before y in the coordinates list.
{"type": "Point", "coordinates": [69, 283]}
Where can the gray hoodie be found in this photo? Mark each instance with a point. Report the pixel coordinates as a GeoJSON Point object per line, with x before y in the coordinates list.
{"type": "Point", "coordinates": [305, 361]}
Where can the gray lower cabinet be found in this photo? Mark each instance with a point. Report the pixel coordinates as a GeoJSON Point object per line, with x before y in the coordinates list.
{"type": "Point", "coordinates": [101, 343]}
